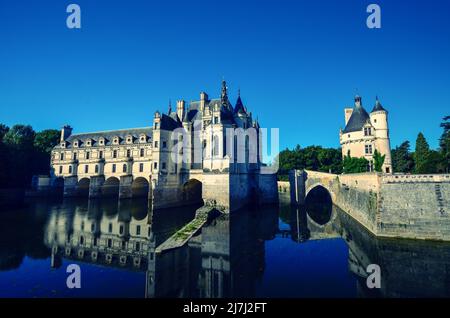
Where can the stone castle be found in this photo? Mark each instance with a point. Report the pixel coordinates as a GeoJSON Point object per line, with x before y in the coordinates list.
{"type": "Point", "coordinates": [364, 133]}
{"type": "Point", "coordinates": [206, 151]}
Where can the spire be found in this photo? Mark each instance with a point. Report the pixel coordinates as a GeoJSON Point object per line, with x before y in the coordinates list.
{"type": "Point", "coordinates": [378, 106]}
{"type": "Point", "coordinates": [170, 107]}
{"type": "Point", "coordinates": [358, 102]}
{"type": "Point", "coordinates": [224, 96]}
{"type": "Point", "coordinates": [239, 107]}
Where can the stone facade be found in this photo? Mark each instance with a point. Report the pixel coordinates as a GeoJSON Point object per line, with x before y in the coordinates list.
{"type": "Point", "coordinates": [405, 206]}
{"type": "Point", "coordinates": [364, 133]}
{"type": "Point", "coordinates": [208, 146]}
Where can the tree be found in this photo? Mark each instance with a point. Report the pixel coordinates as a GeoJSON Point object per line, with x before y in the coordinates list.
{"type": "Point", "coordinates": [3, 130]}
{"type": "Point", "coordinates": [402, 159]}
{"type": "Point", "coordinates": [20, 136]}
{"type": "Point", "coordinates": [355, 165]}
{"type": "Point", "coordinates": [312, 158]}
{"type": "Point", "coordinates": [378, 160]}
{"type": "Point", "coordinates": [46, 140]}
{"type": "Point", "coordinates": [422, 155]}
{"type": "Point", "coordinates": [444, 143]}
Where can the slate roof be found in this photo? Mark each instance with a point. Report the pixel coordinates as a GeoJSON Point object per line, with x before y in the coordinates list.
{"type": "Point", "coordinates": [378, 107]}
{"type": "Point", "coordinates": [357, 120]}
{"type": "Point", "coordinates": [109, 135]}
{"type": "Point", "coordinates": [239, 108]}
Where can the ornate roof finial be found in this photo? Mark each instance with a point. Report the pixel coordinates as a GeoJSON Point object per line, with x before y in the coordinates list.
{"type": "Point", "coordinates": [224, 96]}
{"type": "Point", "coordinates": [170, 107]}
{"type": "Point", "coordinates": [239, 92]}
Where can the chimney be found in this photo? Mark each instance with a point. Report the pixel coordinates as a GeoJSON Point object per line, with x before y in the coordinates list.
{"type": "Point", "coordinates": [348, 114]}
{"type": "Point", "coordinates": [203, 101]}
{"type": "Point", "coordinates": [66, 131]}
{"type": "Point", "coordinates": [180, 109]}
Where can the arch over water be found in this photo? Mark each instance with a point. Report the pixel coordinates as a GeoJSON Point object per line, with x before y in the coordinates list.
{"type": "Point", "coordinates": [140, 188]}
{"type": "Point", "coordinates": [83, 187]}
{"type": "Point", "coordinates": [111, 187]}
{"type": "Point", "coordinates": [192, 191]}
{"type": "Point", "coordinates": [319, 205]}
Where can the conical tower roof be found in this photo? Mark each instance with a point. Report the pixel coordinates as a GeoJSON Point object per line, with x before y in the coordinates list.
{"type": "Point", "coordinates": [358, 118]}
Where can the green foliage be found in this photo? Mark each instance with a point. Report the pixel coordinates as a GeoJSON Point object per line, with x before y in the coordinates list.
{"type": "Point", "coordinates": [3, 130]}
{"type": "Point", "coordinates": [444, 144]}
{"type": "Point", "coordinates": [46, 140]}
{"type": "Point", "coordinates": [23, 153]}
{"type": "Point", "coordinates": [378, 161]}
{"type": "Point", "coordinates": [421, 155]}
{"type": "Point", "coordinates": [355, 165]}
{"type": "Point", "coordinates": [20, 137]}
{"type": "Point", "coordinates": [312, 158]}
{"type": "Point", "coordinates": [402, 159]}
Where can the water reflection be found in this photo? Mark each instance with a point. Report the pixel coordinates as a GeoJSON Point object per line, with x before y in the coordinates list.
{"type": "Point", "coordinates": [246, 254]}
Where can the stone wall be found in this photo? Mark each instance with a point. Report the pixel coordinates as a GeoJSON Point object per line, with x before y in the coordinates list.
{"type": "Point", "coordinates": [406, 206]}
{"type": "Point", "coordinates": [415, 209]}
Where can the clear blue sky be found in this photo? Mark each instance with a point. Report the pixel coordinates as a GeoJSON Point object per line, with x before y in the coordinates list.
{"type": "Point", "coordinates": [298, 63]}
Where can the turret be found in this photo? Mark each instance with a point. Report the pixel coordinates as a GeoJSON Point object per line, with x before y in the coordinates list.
{"type": "Point", "coordinates": [66, 131]}
{"type": "Point", "coordinates": [379, 120]}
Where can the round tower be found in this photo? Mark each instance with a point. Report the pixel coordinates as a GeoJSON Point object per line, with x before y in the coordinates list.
{"type": "Point", "coordinates": [379, 120]}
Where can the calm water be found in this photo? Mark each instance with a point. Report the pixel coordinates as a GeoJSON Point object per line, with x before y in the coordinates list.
{"type": "Point", "coordinates": [267, 252]}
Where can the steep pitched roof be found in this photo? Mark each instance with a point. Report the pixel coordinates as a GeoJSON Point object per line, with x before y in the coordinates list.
{"type": "Point", "coordinates": [239, 108]}
{"type": "Point", "coordinates": [358, 119]}
{"type": "Point", "coordinates": [378, 107]}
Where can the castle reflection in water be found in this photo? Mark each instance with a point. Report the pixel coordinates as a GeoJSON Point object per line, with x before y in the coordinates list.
{"type": "Point", "coordinates": [226, 259]}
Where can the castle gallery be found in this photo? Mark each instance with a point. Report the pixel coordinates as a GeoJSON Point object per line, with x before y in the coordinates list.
{"type": "Point", "coordinates": [364, 133]}
{"type": "Point", "coordinates": [140, 162]}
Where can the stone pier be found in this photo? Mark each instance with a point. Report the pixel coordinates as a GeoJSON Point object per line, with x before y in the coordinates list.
{"type": "Point", "coordinates": [125, 188]}
{"type": "Point", "coordinates": [95, 187]}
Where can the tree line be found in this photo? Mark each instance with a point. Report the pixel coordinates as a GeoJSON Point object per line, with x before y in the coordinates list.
{"type": "Point", "coordinates": [24, 153]}
{"type": "Point", "coordinates": [422, 160]}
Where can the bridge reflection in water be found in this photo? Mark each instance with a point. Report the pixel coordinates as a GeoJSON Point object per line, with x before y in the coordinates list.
{"type": "Point", "coordinates": [233, 256]}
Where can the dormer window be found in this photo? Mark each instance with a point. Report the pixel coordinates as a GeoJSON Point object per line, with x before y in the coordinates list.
{"type": "Point", "coordinates": [367, 131]}
{"type": "Point", "coordinates": [142, 138]}
{"type": "Point", "coordinates": [75, 144]}
{"type": "Point", "coordinates": [116, 140]}
{"type": "Point", "coordinates": [63, 144]}
{"type": "Point", "coordinates": [88, 143]}
{"type": "Point", "coordinates": [101, 141]}
{"type": "Point", "coordinates": [129, 139]}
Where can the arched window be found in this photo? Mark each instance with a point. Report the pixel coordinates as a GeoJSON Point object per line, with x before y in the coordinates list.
{"type": "Point", "coordinates": [124, 168]}
{"type": "Point", "coordinates": [61, 157]}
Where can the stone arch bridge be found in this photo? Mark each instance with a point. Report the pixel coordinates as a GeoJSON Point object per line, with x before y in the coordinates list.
{"type": "Point", "coordinates": [389, 205]}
